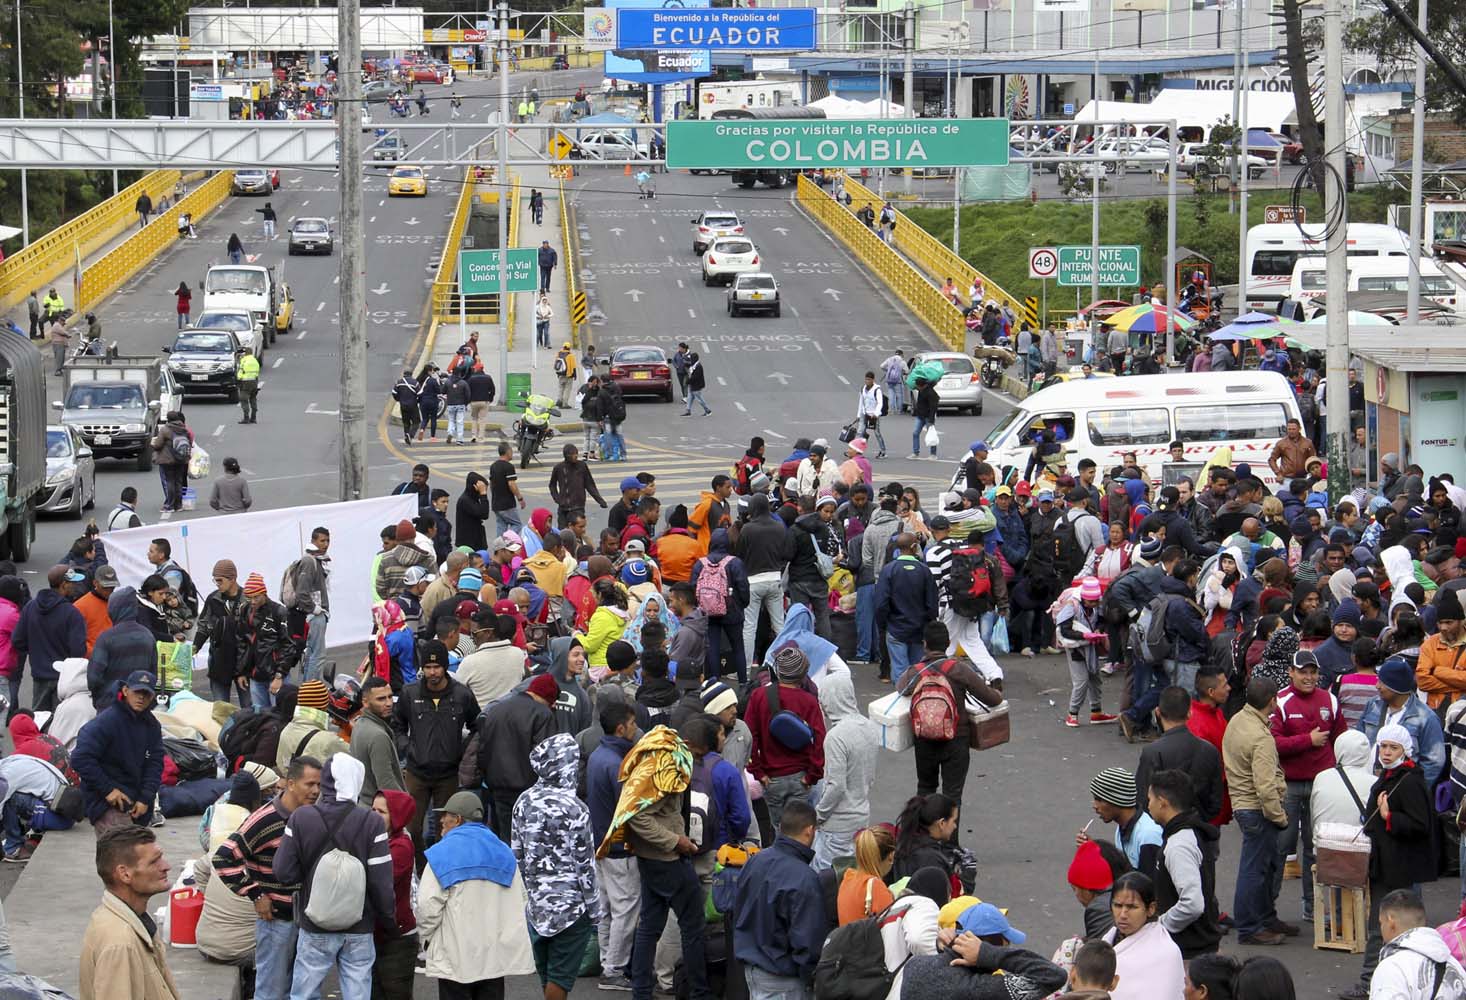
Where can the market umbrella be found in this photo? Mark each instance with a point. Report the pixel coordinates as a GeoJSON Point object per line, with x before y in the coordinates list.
{"type": "Point", "coordinates": [1148, 319]}
{"type": "Point", "coordinates": [1355, 318]}
{"type": "Point", "coordinates": [1252, 326]}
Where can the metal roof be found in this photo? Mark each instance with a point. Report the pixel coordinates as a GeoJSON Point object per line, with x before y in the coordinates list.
{"type": "Point", "coordinates": [1424, 348]}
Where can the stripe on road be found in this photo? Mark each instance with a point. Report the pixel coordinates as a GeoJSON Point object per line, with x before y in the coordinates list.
{"type": "Point", "coordinates": [218, 430]}
{"type": "Point", "coordinates": [277, 363]}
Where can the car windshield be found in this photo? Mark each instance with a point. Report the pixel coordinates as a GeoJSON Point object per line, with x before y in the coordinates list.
{"type": "Point", "coordinates": [223, 321]}
{"type": "Point", "coordinates": [310, 226]}
{"type": "Point", "coordinates": [58, 444]}
{"type": "Point", "coordinates": [100, 396]}
{"type": "Point", "coordinates": [733, 246]}
{"type": "Point", "coordinates": [231, 279]}
{"type": "Point", "coordinates": [756, 281]}
{"type": "Point", "coordinates": [639, 356]}
{"type": "Point", "coordinates": [407, 172]}
{"type": "Point", "coordinates": [203, 343]}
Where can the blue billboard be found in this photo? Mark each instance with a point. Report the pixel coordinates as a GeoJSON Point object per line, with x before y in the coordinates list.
{"type": "Point", "coordinates": [741, 29]}
{"type": "Point", "coordinates": [648, 65]}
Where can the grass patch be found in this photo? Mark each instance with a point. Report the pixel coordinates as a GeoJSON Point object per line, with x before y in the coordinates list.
{"type": "Point", "coordinates": [995, 236]}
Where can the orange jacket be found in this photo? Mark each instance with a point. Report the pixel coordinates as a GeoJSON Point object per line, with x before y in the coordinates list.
{"type": "Point", "coordinates": [677, 550]}
{"type": "Point", "coordinates": [1441, 670]}
{"type": "Point", "coordinates": [699, 517]}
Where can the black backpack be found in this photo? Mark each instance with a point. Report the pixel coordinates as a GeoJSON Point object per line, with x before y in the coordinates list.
{"type": "Point", "coordinates": [187, 591]}
{"type": "Point", "coordinates": [970, 582]}
{"type": "Point", "coordinates": [615, 406]}
{"type": "Point", "coordinates": [1068, 553]}
{"type": "Point", "coordinates": [852, 965]}
{"type": "Point", "coordinates": [242, 735]}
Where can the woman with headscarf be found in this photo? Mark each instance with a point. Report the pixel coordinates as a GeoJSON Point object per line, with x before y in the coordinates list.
{"type": "Point", "coordinates": [393, 650]}
{"type": "Point", "coordinates": [1277, 657]}
{"type": "Point", "coordinates": [653, 608]}
{"type": "Point", "coordinates": [1341, 586]}
{"type": "Point", "coordinates": [1219, 587]}
{"type": "Point", "coordinates": [798, 631]}
{"type": "Point", "coordinates": [533, 537]}
{"type": "Point", "coordinates": [910, 925]}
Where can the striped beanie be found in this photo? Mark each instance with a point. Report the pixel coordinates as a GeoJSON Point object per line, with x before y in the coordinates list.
{"type": "Point", "coordinates": [315, 694]}
{"type": "Point", "coordinates": [790, 664]}
{"type": "Point", "coordinates": [717, 696]}
{"type": "Point", "coordinates": [1114, 785]}
{"type": "Point", "coordinates": [254, 584]}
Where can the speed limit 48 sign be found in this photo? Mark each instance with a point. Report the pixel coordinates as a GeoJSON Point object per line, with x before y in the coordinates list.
{"type": "Point", "coordinates": [1043, 262]}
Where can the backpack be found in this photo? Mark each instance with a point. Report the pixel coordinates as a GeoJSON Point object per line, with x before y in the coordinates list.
{"type": "Point", "coordinates": [287, 586]}
{"type": "Point", "coordinates": [338, 885]}
{"type": "Point", "coordinates": [788, 470]}
{"type": "Point", "coordinates": [180, 447]}
{"type": "Point", "coordinates": [934, 705]}
{"type": "Point", "coordinates": [1148, 634]}
{"type": "Point", "coordinates": [703, 821]}
{"type": "Point", "coordinates": [852, 963]}
{"type": "Point", "coordinates": [560, 364]}
{"type": "Point", "coordinates": [791, 732]}
{"type": "Point", "coordinates": [969, 584]}
{"type": "Point", "coordinates": [616, 407]}
{"type": "Point", "coordinates": [186, 589]}
{"type": "Point", "coordinates": [1068, 553]}
{"type": "Point", "coordinates": [241, 735]}
{"type": "Point", "coordinates": [712, 587]}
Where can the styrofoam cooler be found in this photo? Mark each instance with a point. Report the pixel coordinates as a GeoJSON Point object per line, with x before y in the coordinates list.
{"type": "Point", "coordinates": [892, 713]}
{"type": "Point", "coordinates": [190, 498]}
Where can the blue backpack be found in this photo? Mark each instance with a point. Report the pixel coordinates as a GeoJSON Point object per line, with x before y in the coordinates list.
{"type": "Point", "coordinates": [792, 732]}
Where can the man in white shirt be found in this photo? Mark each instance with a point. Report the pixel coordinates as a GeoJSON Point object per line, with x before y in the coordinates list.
{"type": "Point", "coordinates": [872, 405]}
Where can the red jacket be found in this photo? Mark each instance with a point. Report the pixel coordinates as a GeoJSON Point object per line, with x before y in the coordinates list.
{"type": "Point", "coordinates": [1208, 722]}
{"type": "Point", "coordinates": [401, 807]}
{"type": "Point", "coordinates": [1296, 717]}
{"type": "Point", "coordinates": [770, 759]}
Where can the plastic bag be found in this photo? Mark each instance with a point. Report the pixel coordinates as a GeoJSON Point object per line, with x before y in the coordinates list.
{"type": "Point", "coordinates": [193, 758]}
{"type": "Point", "coordinates": [933, 439]}
{"type": "Point", "coordinates": [175, 666]}
{"type": "Point", "coordinates": [999, 640]}
{"type": "Point", "coordinates": [198, 463]}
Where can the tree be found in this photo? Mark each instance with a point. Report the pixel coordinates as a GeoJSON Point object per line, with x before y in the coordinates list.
{"type": "Point", "coordinates": [1381, 36]}
{"type": "Point", "coordinates": [1299, 38]}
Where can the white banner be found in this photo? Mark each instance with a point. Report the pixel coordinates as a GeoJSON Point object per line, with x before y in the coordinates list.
{"type": "Point", "coordinates": [267, 542]}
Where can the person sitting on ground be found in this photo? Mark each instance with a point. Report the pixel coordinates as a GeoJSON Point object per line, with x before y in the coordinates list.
{"type": "Point", "coordinates": [982, 962]}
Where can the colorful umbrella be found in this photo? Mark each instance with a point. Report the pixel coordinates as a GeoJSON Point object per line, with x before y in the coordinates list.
{"type": "Point", "coordinates": [1148, 319]}
{"type": "Point", "coordinates": [1252, 326]}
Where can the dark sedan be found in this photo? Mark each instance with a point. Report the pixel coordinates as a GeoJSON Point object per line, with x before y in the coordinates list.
{"type": "Point", "coordinates": [642, 371]}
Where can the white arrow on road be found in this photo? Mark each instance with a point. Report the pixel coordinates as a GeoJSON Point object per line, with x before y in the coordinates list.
{"type": "Point", "coordinates": [617, 230]}
{"type": "Point", "coordinates": [635, 294]}
{"type": "Point", "coordinates": [381, 289]}
{"type": "Point", "coordinates": [833, 293]}
{"type": "Point", "coordinates": [783, 379]}
{"type": "Point", "coordinates": [312, 408]}
{"type": "Point", "coordinates": [410, 222]}
{"type": "Point", "coordinates": [781, 230]}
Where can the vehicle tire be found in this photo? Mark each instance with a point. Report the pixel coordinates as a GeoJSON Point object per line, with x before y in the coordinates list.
{"type": "Point", "coordinates": [21, 534]}
{"type": "Point", "coordinates": [91, 494]}
{"type": "Point", "coordinates": [781, 179]}
{"type": "Point", "coordinates": [289, 251]}
{"type": "Point", "coordinates": [144, 458]}
{"type": "Point", "coordinates": [746, 185]}
{"type": "Point", "coordinates": [74, 511]}
{"type": "Point", "coordinates": [776, 312]}
{"type": "Point", "coordinates": [526, 452]}
{"type": "Point", "coordinates": [977, 410]}
{"type": "Point", "coordinates": [695, 250]}
{"type": "Point", "coordinates": [667, 396]}
{"type": "Point", "coordinates": [707, 280]}
{"type": "Point", "coordinates": [234, 394]}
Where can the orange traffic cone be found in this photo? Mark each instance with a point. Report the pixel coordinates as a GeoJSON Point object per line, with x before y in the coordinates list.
{"type": "Point", "coordinates": [627, 171]}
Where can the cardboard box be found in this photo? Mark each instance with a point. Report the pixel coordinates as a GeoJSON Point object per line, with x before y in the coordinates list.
{"type": "Point", "coordinates": [1347, 868]}
{"type": "Point", "coordinates": [990, 727]}
{"type": "Point", "coordinates": [892, 713]}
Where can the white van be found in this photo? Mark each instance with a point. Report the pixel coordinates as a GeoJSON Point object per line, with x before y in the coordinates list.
{"type": "Point", "coordinates": [1102, 419]}
{"type": "Point", "coordinates": [1376, 274]}
{"type": "Point", "coordinates": [1274, 248]}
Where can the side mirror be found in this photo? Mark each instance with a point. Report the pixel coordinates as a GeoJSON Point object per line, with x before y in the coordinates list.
{"type": "Point", "coordinates": [57, 405]}
{"type": "Point", "coordinates": [84, 453]}
{"type": "Point", "coordinates": [167, 350]}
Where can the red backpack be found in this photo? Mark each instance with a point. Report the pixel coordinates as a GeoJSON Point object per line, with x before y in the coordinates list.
{"type": "Point", "coordinates": [933, 704]}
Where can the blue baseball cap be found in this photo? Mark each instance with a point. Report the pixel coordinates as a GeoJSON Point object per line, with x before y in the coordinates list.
{"type": "Point", "coordinates": [1046, 495]}
{"type": "Point", "coordinates": [984, 919]}
{"type": "Point", "coordinates": [631, 483]}
{"type": "Point", "coordinates": [141, 680]}
{"type": "Point", "coordinates": [978, 446]}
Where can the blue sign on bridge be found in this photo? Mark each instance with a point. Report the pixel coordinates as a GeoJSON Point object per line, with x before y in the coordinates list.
{"type": "Point", "coordinates": [745, 29]}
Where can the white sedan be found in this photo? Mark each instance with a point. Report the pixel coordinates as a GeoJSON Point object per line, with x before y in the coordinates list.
{"type": "Point", "coordinates": [727, 257]}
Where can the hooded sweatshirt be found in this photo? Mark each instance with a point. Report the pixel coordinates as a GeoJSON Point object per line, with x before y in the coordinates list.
{"type": "Point", "coordinates": [572, 710]}
{"type": "Point", "coordinates": [76, 708]}
{"type": "Point", "coordinates": [1331, 801]}
{"type": "Point", "coordinates": [552, 841]}
{"type": "Point", "coordinates": [1186, 895]}
{"type": "Point", "coordinates": [1408, 966]}
{"type": "Point", "coordinates": [50, 629]}
{"type": "Point", "coordinates": [401, 808]}
{"type": "Point", "coordinates": [852, 744]}
{"type": "Point", "coordinates": [471, 513]}
{"type": "Point", "coordinates": [127, 646]}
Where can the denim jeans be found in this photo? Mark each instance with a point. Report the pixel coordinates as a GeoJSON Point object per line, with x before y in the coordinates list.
{"type": "Point", "coordinates": [865, 622]}
{"type": "Point", "coordinates": [766, 592]}
{"type": "Point", "coordinates": [764, 985]}
{"type": "Point", "coordinates": [456, 413]}
{"type": "Point", "coordinates": [269, 229]}
{"type": "Point", "coordinates": [259, 694]}
{"type": "Point", "coordinates": [1145, 692]}
{"type": "Point", "coordinates": [903, 655]}
{"type": "Point", "coordinates": [918, 430]}
{"type": "Point", "coordinates": [830, 844]}
{"type": "Point", "coordinates": [274, 958]}
{"type": "Point", "coordinates": [509, 520]}
{"type": "Point", "coordinates": [1183, 675]}
{"type": "Point", "coordinates": [783, 790]}
{"type": "Point", "coordinates": [897, 393]}
{"type": "Point", "coordinates": [228, 691]}
{"type": "Point", "coordinates": [316, 954]}
{"type": "Point", "coordinates": [1254, 904]}
{"type": "Point", "coordinates": [16, 818]}
{"type": "Point", "coordinates": [1300, 817]}
{"type": "Point", "coordinates": [721, 631]}
{"type": "Point", "coordinates": [235, 257]}
{"type": "Point", "coordinates": [695, 396]}
{"type": "Point", "coordinates": [315, 646]}
{"type": "Point", "coordinates": [669, 885]}
{"type": "Point", "coordinates": [872, 426]}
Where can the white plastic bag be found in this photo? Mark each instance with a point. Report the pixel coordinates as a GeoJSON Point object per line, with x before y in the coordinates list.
{"type": "Point", "coordinates": [932, 437]}
{"type": "Point", "coordinates": [198, 463]}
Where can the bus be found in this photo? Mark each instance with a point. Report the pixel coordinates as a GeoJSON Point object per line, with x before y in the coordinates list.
{"type": "Point", "coordinates": [1274, 248]}
{"type": "Point", "coordinates": [1103, 419]}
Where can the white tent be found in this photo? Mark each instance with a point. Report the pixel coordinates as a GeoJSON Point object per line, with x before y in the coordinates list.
{"type": "Point", "coordinates": [1114, 111]}
{"type": "Point", "coordinates": [835, 106]}
{"type": "Point", "coordinates": [1204, 108]}
{"type": "Point", "coordinates": [886, 109]}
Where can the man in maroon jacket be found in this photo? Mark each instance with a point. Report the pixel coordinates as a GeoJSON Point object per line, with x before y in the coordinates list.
{"type": "Point", "coordinates": [789, 764]}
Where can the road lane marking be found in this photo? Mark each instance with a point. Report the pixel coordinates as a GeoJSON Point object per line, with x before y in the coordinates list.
{"type": "Point", "coordinates": [300, 335]}
{"type": "Point", "coordinates": [218, 430]}
{"type": "Point", "coordinates": [305, 203]}
{"type": "Point", "coordinates": [680, 284]}
{"type": "Point", "coordinates": [722, 380]}
{"type": "Point", "coordinates": [277, 362]}
{"type": "Point", "coordinates": [692, 313]}
{"type": "Point", "coordinates": [703, 344]}
{"type": "Point", "coordinates": [320, 306]}
{"type": "Point", "coordinates": [843, 379]}
{"type": "Point", "coordinates": [372, 219]}
{"type": "Point", "coordinates": [818, 346]}
{"type": "Point", "coordinates": [774, 434]}
{"type": "Point", "coordinates": [794, 310]}
{"type": "Point", "coordinates": [382, 202]}
{"type": "Point", "coordinates": [741, 407]}
{"type": "Point", "coordinates": [661, 239]}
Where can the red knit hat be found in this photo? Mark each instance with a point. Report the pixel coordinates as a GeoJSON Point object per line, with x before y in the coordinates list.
{"type": "Point", "coordinates": [254, 584]}
{"type": "Point", "coordinates": [1461, 548]}
{"type": "Point", "coordinates": [1089, 870]}
{"type": "Point", "coordinates": [546, 687]}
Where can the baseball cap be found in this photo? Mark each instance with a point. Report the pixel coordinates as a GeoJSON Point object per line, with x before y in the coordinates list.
{"type": "Point", "coordinates": [106, 576]}
{"type": "Point", "coordinates": [75, 576]}
{"type": "Point", "coordinates": [1046, 495]}
{"type": "Point", "coordinates": [415, 575]}
{"type": "Point", "coordinates": [939, 523]}
{"type": "Point", "coordinates": [1003, 491]}
{"type": "Point", "coordinates": [634, 545]}
{"type": "Point", "coordinates": [630, 483]}
{"type": "Point", "coordinates": [465, 805]}
{"type": "Point", "coordinates": [978, 446]}
{"type": "Point", "coordinates": [502, 542]}
{"type": "Point", "coordinates": [1023, 489]}
{"type": "Point", "coordinates": [985, 919]}
{"type": "Point", "coordinates": [141, 680]}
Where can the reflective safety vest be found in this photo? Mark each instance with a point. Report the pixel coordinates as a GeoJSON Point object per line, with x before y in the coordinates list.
{"type": "Point", "coordinates": [248, 369]}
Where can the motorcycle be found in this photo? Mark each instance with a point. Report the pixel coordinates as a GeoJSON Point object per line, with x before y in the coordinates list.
{"type": "Point", "coordinates": [532, 431]}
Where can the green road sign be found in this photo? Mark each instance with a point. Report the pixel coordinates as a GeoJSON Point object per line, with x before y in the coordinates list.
{"type": "Point", "coordinates": [478, 271]}
{"type": "Point", "coordinates": [808, 143]}
{"type": "Point", "coordinates": [1119, 265]}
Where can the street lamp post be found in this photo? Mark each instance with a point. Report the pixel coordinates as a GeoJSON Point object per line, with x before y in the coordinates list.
{"type": "Point", "coordinates": [25, 199]}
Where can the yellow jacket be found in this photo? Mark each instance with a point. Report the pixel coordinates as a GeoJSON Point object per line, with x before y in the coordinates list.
{"type": "Point", "coordinates": [605, 627]}
{"type": "Point", "coordinates": [248, 368]}
{"type": "Point", "coordinates": [1254, 776]}
{"type": "Point", "coordinates": [119, 961]}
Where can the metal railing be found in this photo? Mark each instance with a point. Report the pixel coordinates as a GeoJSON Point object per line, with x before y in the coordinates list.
{"type": "Point", "coordinates": [106, 274]}
{"type": "Point", "coordinates": [928, 253]}
{"type": "Point", "coordinates": [900, 275]}
{"type": "Point", "coordinates": [445, 282]}
{"type": "Point", "coordinates": [51, 256]}
{"type": "Point", "coordinates": [512, 210]}
{"type": "Point", "coordinates": [572, 272]}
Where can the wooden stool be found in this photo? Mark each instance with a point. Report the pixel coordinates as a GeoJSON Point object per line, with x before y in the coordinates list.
{"type": "Point", "coordinates": [1340, 916]}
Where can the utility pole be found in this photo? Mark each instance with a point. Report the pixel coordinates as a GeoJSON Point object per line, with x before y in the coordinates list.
{"type": "Point", "coordinates": [1336, 219]}
{"type": "Point", "coordinates": [1237, 71]}
{"type": "Point", "coordinates": [1097, 166]}
{"type": "Point", "coordinates": [1241, 160]}
{"type": "Point", "coordinates": [1417, 176]}
{"type": "Point", "coordinates": [353, 463]}
{"type": "Point", "coordinates": [112, 80]}
{"type": "Point", "coordinates": [502, 176]}
{"type": "Point", "coordinates": [25, 199]}
{"type": "Point", "coordinates": [910, 86]}
{"type": "Point", "coordinates": [1171, 243]}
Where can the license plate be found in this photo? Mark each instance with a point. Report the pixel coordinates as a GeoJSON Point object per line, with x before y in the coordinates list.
{"type": "Point", "coordinates": [198, 378]}
{"type": "Point", "coordinates": [641, 374]}
{"type": "Point", "coordinates": [757, 295]}
{"type": "Point", "coordinates": [102, 439]}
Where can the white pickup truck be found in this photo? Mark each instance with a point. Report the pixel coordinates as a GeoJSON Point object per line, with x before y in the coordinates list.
{"type": "Point", "coordinates": [254, 288]}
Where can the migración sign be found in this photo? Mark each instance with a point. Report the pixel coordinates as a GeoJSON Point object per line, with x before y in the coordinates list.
{"type": "Point", "coordinates": [808, 143]}
{"type": "Point", "coordinates": [749, 29]}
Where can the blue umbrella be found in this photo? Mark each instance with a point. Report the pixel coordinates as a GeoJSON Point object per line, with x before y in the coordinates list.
{"type": "Point", "coordinates": [1247, 327]}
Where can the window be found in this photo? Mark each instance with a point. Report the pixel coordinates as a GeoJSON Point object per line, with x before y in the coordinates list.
{"type": "Point", "coordinates": [1238, 422]}
{"type": "Point", "coordinates": [1108, 428]}
{"type": "Point", "coordinates": [1061, 423]}
{"type": "Point", "coordinates": [1274, 263]}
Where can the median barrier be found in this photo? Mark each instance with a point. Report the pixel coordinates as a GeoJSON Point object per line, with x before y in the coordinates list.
{"type": "Point", "coordinates": [513, 241]}
{"type": "Point", "coordinates": [107, 273]}
{"type": "Point", "coordinates": [928, 253]}
{"type": "Point", "coordinates": [899, 274]}
{"type": "Point", "coordinates": [573, 293]}
{"type": "Point", "coordinates": [445, 283]}
{"type": "Point", "coordinates": [63, 248]}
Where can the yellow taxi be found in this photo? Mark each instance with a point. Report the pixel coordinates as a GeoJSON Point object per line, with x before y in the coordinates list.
{"type": "Point", "coordinates": [407, 180]}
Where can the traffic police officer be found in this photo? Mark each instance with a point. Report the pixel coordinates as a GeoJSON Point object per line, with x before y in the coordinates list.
{"type": "Point", "coordinates": [247, 374]}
